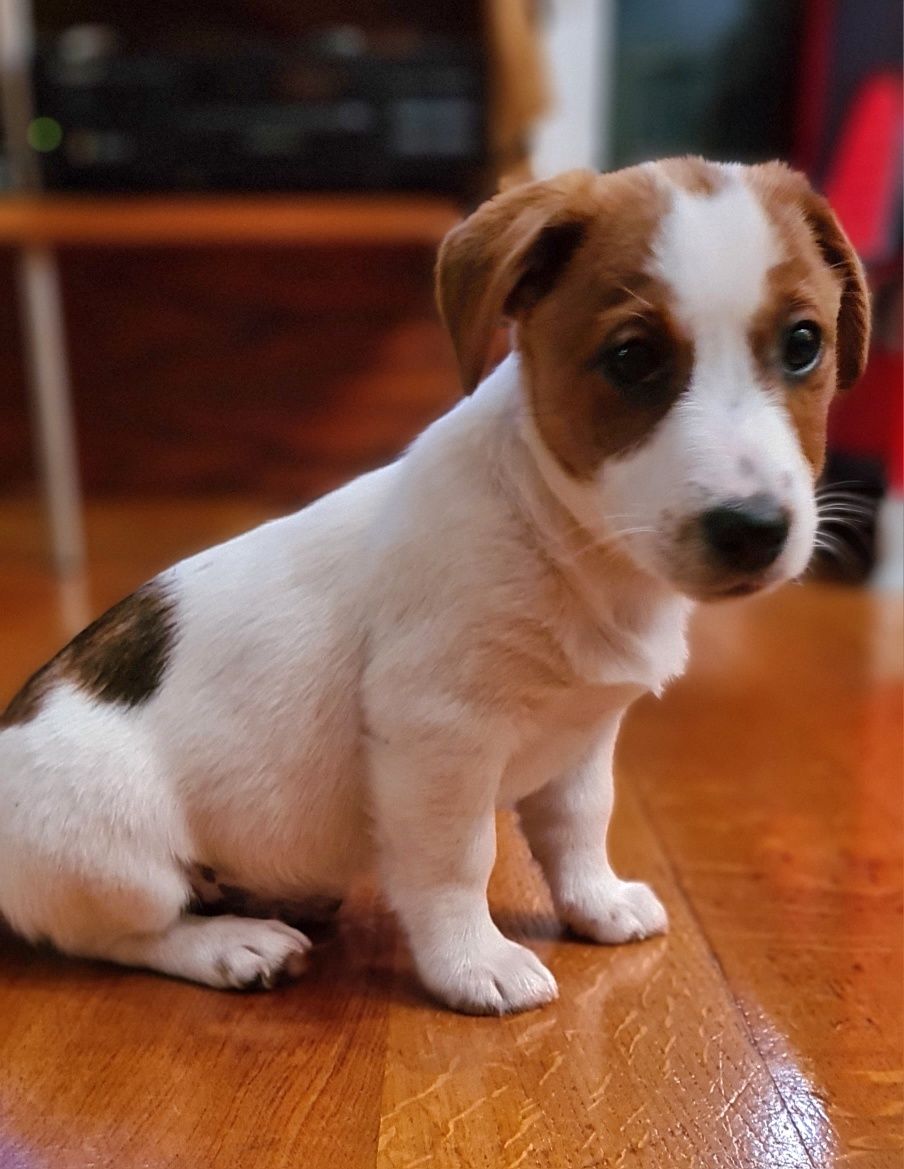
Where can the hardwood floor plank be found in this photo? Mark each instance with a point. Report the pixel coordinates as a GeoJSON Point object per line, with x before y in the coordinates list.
{"type": "Point", "coordinates": [762, 799]}
{"type": "Point", "coordinates": [644, 1061]}
{"type": "Point", "coordinates": [109, 1067]}
{"type": "Point", "coordinates": [772, 774]}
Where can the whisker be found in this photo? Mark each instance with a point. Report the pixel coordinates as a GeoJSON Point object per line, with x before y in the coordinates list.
{"type": "Point", "coordinates": [636, 295]}
{"type": "Point", "coordinates": [834, 550]}
{"type": "Point", "coordinates": [606, 544]}
{"type": "Point", "coordinates": [856, 500]}
{"type": "Point", "coordinates": [833, 512]}
{"type": "Point", "coordinates": [829, 487]}
{"type": "Point", "coordinates": [844, 497]}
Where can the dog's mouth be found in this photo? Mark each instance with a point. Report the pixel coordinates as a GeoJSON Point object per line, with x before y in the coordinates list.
{"type": "Point", "coordinates": [683, 561]}
{"type": "Point", "coordinates": [702, 585]}
{"type": "Point", "coordinates": [703, 575]}
{"type": "Point", "coordinates": [735, 589]}
{"type": "Point", "coordinates": [745, 589]}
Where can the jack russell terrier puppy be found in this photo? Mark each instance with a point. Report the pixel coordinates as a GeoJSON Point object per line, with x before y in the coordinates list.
{"type": "Point", "coordinates": [370, 678]}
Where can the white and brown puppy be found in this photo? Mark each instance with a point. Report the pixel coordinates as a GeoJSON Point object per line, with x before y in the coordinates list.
{"type": "Point", "coordinates": [371, 677]}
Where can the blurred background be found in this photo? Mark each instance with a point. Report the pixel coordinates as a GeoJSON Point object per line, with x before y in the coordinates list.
{"type": "Point", "coordinates": [218, 224]}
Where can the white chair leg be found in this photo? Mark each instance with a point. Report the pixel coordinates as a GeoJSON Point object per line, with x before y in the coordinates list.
{"type": "Point", "coordinates": [45, 345]}
{"type": "Point", "coordinates": [888, 574]}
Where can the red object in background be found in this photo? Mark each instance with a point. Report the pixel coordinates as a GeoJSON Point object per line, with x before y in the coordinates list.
{"type": "Point", "coordinates": [864, 180]}
{"type": "Point", "coordinates": [869, 420]}
{"type": "Point", "coordinates": [864, 187]}
{"type": "Point", "coordinates": [815, 67]}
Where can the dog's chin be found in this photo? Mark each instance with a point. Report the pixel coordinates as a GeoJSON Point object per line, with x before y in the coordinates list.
{"type": "Point", "coordinates": [746, 588]}
{"type": "Point", "coordinates": [692, 576]}
{"type": "Point", "coordinates": [709, 588]}
{"type": "Point", "coordinates": [689, 571]}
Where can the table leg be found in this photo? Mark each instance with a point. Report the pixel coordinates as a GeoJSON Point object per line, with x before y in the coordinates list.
{"type": "Point", "coordinates": [45, 344]}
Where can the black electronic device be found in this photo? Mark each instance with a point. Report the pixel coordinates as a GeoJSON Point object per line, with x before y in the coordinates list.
{"type": "Point", "coordinates": [339, 110]}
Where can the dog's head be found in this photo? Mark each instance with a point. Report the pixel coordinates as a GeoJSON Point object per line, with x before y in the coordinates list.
{"type": "Point", "coordinates": [682, 327]}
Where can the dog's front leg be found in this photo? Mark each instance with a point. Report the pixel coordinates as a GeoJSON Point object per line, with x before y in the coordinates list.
{"type": "Point", "coordinates": [435, 816]}
{"type": "Point", "coordinates": [566, 824]}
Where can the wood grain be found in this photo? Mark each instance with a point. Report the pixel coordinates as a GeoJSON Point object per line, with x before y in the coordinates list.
{"type": "Point", "coordinates": [190, 221]}
{"type": "Point", "coordinates": [645, 1059]}
{"type": "Point", "coordinates": [798, 887]}
{"type": "Point", "coordinates": [276, 371]}
{"type": "Point", "coordinates": [762, 799]}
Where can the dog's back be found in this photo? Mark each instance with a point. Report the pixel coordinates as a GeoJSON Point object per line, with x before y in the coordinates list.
{"type": "Point", "coordinates": [136, 755]}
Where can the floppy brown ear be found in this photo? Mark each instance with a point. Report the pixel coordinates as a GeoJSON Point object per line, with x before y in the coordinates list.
{"type": "Point", "coordinates": [853, 326]}
{"type": "Point", "coordinates": [502, 260]}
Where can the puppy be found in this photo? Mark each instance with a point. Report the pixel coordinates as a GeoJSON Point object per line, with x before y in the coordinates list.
{"type": "Point", "coordinates": [370, 678]}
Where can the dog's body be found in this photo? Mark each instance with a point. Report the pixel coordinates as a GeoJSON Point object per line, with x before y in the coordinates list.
{"type": "Point", "coordinates": [370, 678]}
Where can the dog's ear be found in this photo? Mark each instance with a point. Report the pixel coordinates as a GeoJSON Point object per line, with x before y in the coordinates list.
{"type": "Point", "coordinates": [853, 326]}
{"type": "Point", "coordinates": [503, 259]}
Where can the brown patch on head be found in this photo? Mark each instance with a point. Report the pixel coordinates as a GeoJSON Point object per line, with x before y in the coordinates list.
{"type": "Point", "coordinates": [820, 279]}
{"type": "Point", "coordinates": [604, 299]}
{"type": "Point", "coordinates": [120, 658]}
{"type": "Point", "coordinates": [693, 174]}
{"type": "Point", "coordinates": [567, 260]}
{"type": "Point", "coordinates": [794, 295]}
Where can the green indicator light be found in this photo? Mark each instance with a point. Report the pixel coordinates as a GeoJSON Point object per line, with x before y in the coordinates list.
{"type": "Point", "coordinates": [45, 134]}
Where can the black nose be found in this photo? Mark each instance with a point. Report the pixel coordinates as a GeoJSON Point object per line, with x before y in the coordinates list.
{"type": "Point", "coordinates": [746, 534]}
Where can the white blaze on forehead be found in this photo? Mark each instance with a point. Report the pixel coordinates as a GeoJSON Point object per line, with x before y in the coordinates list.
{"type": "Point", "coordinates": [715, 252]}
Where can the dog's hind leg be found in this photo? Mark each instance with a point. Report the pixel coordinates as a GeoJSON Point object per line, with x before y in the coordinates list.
{"type": "Point", "coordinates": [90, 848]}
{"type": "Point", "coordinates": [238, 952]}
{"type": "Point", "coordinates": [146, 924]}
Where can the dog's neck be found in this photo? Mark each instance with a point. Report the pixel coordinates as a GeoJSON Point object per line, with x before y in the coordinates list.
{"type": "Point", "coordinates": [575, 541]}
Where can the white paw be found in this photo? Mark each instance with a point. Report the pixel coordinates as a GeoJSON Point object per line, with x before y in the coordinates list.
{"type": "Point", "coordinates": [248, 954]}
{"type": "Point", "coordinates": [618, 911]}
{"type": "Point", "coordinates": [496, 978]}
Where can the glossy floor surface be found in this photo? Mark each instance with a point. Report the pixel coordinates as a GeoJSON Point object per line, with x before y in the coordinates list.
{"type": "Point", "coordinates": [762, 798]}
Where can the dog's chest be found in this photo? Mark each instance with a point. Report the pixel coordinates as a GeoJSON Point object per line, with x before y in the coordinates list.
{"type": "Point", "coordinates": [561, 733]}
{"type": "Point", "coordinates": [612, 668]}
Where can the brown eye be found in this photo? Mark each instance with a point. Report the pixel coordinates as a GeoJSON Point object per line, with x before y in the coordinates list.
{"type": "Point", "coordinates": [801, 348]}
{"type": "Point", "coordinates": [633, 364]}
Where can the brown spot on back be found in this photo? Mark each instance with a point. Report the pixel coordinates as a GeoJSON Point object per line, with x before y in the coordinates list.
{"type": "Point", "coordinates": [27, 704]}
{"type": "Point", "coordinates": [120, 658]}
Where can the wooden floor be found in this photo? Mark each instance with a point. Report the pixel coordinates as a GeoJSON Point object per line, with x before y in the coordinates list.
{"type": "Point", "coordinates": [762, 797]}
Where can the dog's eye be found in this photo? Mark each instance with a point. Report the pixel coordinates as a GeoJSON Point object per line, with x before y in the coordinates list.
{"type": "Point", "coordinates": [632, 364]}
{"type": "Point", "coordinates": [801, 348]}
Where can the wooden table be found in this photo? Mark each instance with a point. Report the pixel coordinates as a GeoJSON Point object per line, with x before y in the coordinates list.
{"type": "Point", "coordinates": [762, 798]}
{"type": "Point", "coordinates": [37, 226]}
